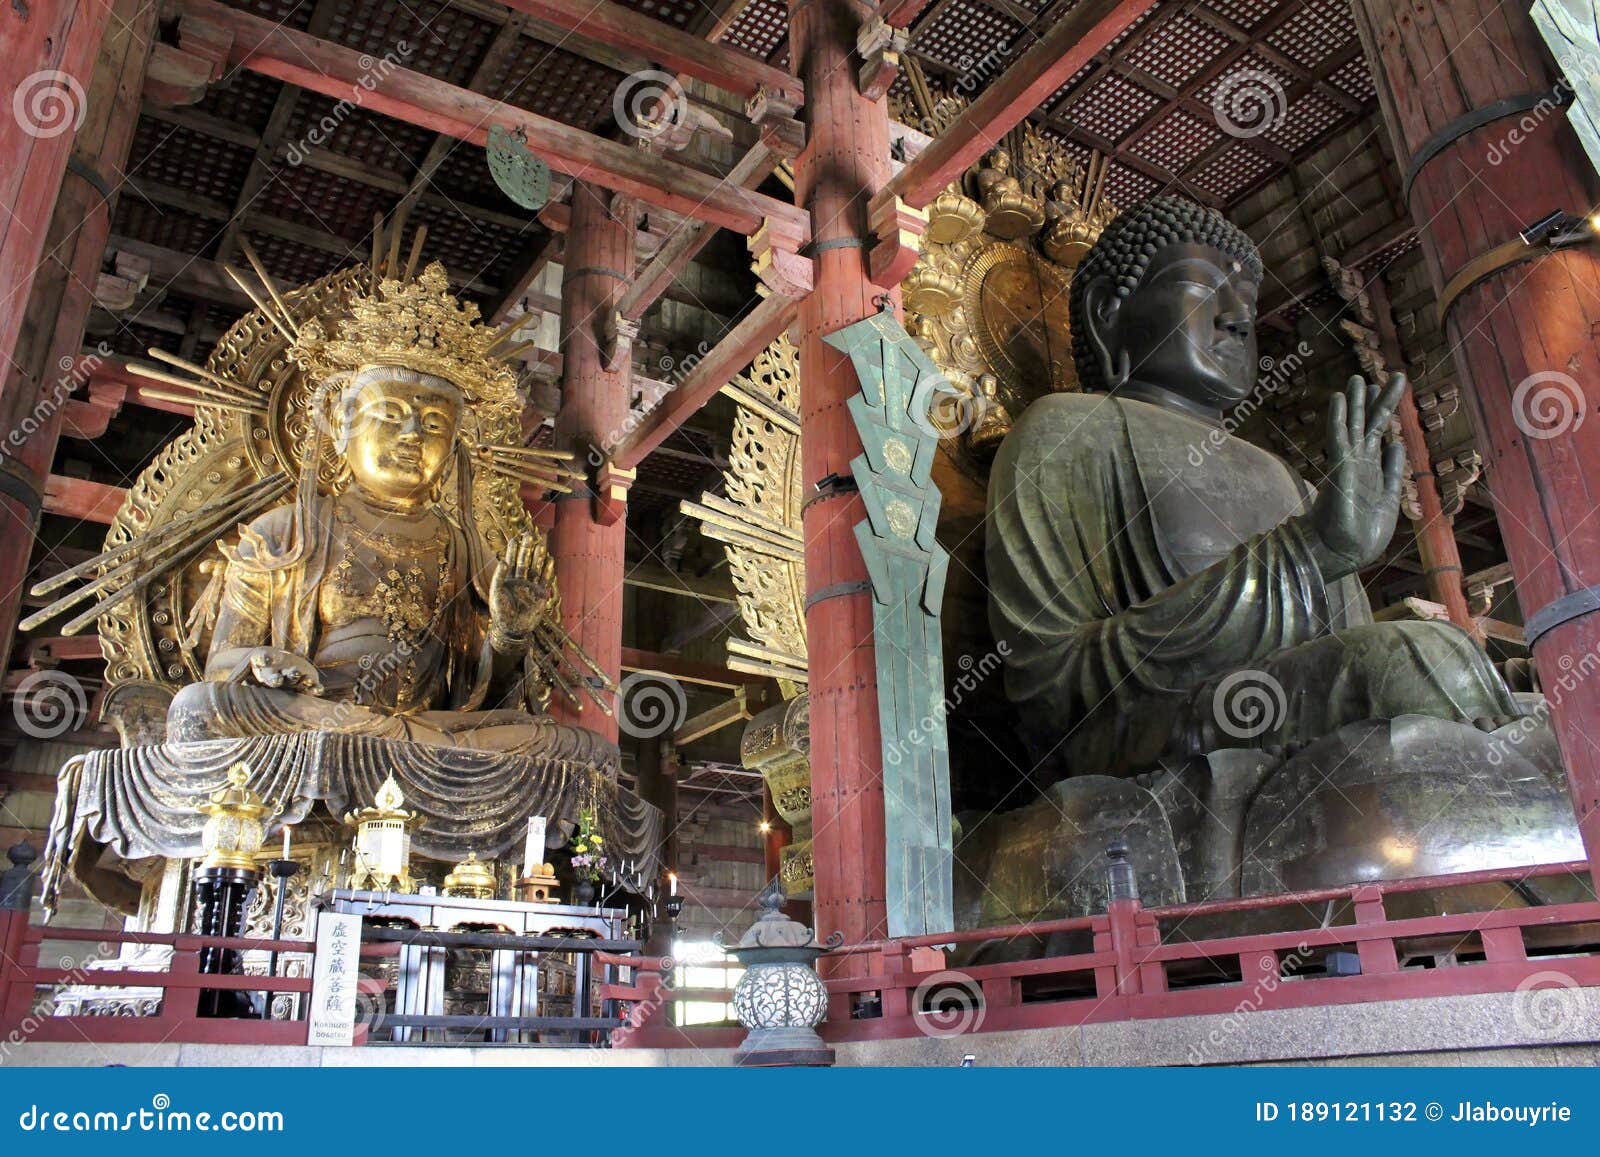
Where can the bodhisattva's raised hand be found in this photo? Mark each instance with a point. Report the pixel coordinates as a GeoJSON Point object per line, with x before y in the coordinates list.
{"type": "Point", "coordinates": [1354, 514]}
{"type": "Point", "coordinates": [515, 597]}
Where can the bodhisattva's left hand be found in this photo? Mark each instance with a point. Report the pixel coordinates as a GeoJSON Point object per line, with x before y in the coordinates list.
{"type": "Point", "coordinates": [515, 596]}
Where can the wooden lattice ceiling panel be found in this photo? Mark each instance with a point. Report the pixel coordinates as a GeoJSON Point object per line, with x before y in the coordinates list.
{"type": "Point", "coordinates": [1178, 49]}
{"type": "Point", "coordinates": [555, 83]}
{"type": "Point", "coordinates": [479, 250]}
{"type": "Point", "coordinates": [378, 142]}
{"type": "Point", "coordinates": [1253, 73]}
{"type": "Point", "coordinates": [1177, 140]}
{"type": "Point", "coordinates": [1354, 79]}
{"type": "Point", "coordinates": [1110, 107]}
{"type": "Point", "coordinates": [679, 13]}
{"type": "Point", "coordinates": [341, 208]}
{"type": "Point", "coordinates": [1308, 119]}
{"type": "Point", "coordinates": [244, 99]}
{"type": "Point", "coordinates": [440, 40]}
{"type": "Point", "coordinates": [967, 36]}
{"type": "Point", "coordinates": [186, 160]}
{"type": "Point", "coordinates": [1314, 33]}
{"type": "Point", "coordinates": [760, 28]}
{"type": "Point", "coordinates": [293, 263]}
{"type": "Point", "coordinates": [1238, 168]}
{"type": "Point", "coordinates": [1247, 14]}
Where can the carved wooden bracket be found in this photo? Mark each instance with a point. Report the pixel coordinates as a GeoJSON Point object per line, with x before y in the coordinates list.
{"type": "Point", "coordinates": [879, 45]}
{"type": "Point", "coordinates": [897, 229]}
{"type": "Point", "coordinates": [616, 341]}
{"type": "Point", "coordinates": [611, 486]}
{"type": "Point", "coordinates": [781, 131]}
{"type": "Point", "coordinates": [778, 262]}
{"type": "Point", "coordinates": [179, 74]}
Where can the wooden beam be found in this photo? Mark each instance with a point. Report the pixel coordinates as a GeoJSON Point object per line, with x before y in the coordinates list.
{"type": "Point", "coordinates": [525, 270]}
{"type": "Point", "coordinates": [746, 703]}
{"type": "Point", "coordinates": [659, 578]}
{"type": "Point", "coordinates": [413, 97]}
{"type": "Point", "coordinates": [82, 499]}
{"type": "Point", "coordinates": [759, 328]}
{"type": "Point", "coordinates": [1066, 47]}
{"type": "Point", "coordinates": [726, 853]}
{"type": "Point", "coordinates": [900, 13]}
{"type": "Point", "coordinates": [683, 670]}
{"type": "Point", "coordinates": [675, 254]}
{"type": "Point", "coordinates": [670, 47]}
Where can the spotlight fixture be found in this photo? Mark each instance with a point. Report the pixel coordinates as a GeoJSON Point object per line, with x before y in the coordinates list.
{"type": "Point", "coordinates": [1558, 229]}
{"type": "Point", "coordinates": [764, 827]}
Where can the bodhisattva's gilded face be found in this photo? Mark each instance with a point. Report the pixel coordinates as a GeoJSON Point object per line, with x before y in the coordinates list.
{"type": "Point", "coordinates": [398, 431]}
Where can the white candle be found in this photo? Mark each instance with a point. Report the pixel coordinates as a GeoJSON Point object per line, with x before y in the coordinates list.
{"type": "Point", "coordinates": [286, 830]}
{"type": "Point", "coordinates": [672, 882]}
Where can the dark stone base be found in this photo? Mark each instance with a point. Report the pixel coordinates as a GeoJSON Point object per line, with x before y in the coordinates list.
{"type": "Point", "coordinates": [785, 1058]}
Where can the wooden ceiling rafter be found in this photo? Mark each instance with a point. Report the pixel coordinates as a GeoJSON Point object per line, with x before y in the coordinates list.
{"type": "Point", "coordinates": [671, 48]}
{"type": "Point", "coordinates": [430, 103]}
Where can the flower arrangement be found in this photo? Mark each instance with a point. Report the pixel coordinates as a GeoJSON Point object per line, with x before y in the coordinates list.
{"type": "Point", "coordinates": [588, 855]}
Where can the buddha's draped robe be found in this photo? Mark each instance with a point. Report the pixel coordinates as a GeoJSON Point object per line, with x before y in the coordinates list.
{"type": "Point", "coordinates": [447, 699]}
{"type": "Point", "coordinates": [1144, 575]}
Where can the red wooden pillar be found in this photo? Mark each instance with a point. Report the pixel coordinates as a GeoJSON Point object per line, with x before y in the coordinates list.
{"type": "Point", "coordinates": [65, 92]}
{"type": "Point", "coordinates": [1458, 84]}
{"type": "Point", "coordinates": [845, 160]}
{"type": "Point", "coordinates": [588, 543]}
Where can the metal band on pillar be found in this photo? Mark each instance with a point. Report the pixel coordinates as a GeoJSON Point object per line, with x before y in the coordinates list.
{"type": "Point", "coordinates": [1562, 610]}
{"type": "Point", "coordinates": [1559, 96]}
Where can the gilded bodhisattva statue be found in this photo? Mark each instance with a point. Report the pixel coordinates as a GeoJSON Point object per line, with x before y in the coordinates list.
{"type": "Point", "coordinates": [371, 610]}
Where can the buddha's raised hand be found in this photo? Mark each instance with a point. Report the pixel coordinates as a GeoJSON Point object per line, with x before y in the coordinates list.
{"type": "Point", "coordinates": [515, 595]}
{"type": "Point", "coordinates": [1357, 504]}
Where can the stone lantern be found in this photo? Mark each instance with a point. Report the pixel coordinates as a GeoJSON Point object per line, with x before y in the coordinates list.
{"type": "Point", "coordinates": [780, 998]}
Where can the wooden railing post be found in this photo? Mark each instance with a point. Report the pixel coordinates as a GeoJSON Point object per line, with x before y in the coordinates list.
{"type": "Point", "coordinates": [13, 926]}
{"type": "Point", "coordinates": [1377, 956]}
{"type": "Point", "coordinates": [1123, 916]}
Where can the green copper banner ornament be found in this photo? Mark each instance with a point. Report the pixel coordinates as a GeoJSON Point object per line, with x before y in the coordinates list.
{"type": "Point", "coordinates": [521, 174]}
{"type": "Point", "coordinates": [906, 566]}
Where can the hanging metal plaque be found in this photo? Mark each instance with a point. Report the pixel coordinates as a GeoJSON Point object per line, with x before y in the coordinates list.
{"type": "Point", "coordinates": [521, 175]}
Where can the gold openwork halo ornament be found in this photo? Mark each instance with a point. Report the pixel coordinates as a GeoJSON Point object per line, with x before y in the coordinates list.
{"type": "Point", "coordinates": [990, 307]}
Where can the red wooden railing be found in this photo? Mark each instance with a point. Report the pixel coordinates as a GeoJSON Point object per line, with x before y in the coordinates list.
{"type": "Point", "coordinates": [181, 984]}
{"type": "Point", "coordinates": [1139, 965]}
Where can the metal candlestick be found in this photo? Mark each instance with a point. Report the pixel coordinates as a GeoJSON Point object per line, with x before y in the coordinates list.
{"type": "Point", "coordinates": [282, 871]}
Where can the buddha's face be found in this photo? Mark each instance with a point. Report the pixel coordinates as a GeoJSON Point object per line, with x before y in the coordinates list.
{"type": "Point", "coordinates": [1187, 328]}
{"type": "Point", "coordinates": [397, 433]}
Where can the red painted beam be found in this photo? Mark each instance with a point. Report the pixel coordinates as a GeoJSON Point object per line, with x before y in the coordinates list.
{"type": "Point", "coordinates": [673, 49]}
{"type": "Point", "coordinates": [1069, 44]}
{"type": "Point", "coordinates": [82, 499]}
{"type": "Point", "coordinates": [337, 72]}
{"type": "Point", "coordinates": [900, 13]}
{"type": "Point", "coordinates": [732, 355]}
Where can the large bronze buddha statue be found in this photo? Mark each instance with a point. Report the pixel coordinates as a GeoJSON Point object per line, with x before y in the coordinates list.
{"type": "Point", "coordinates": [1140, 555]}
{"type": "Point", "coordinates": [1192, 660]}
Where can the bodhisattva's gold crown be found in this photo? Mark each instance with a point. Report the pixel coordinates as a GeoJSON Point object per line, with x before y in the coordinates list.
{"type": "Point", "coordinates": [421, 325]}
